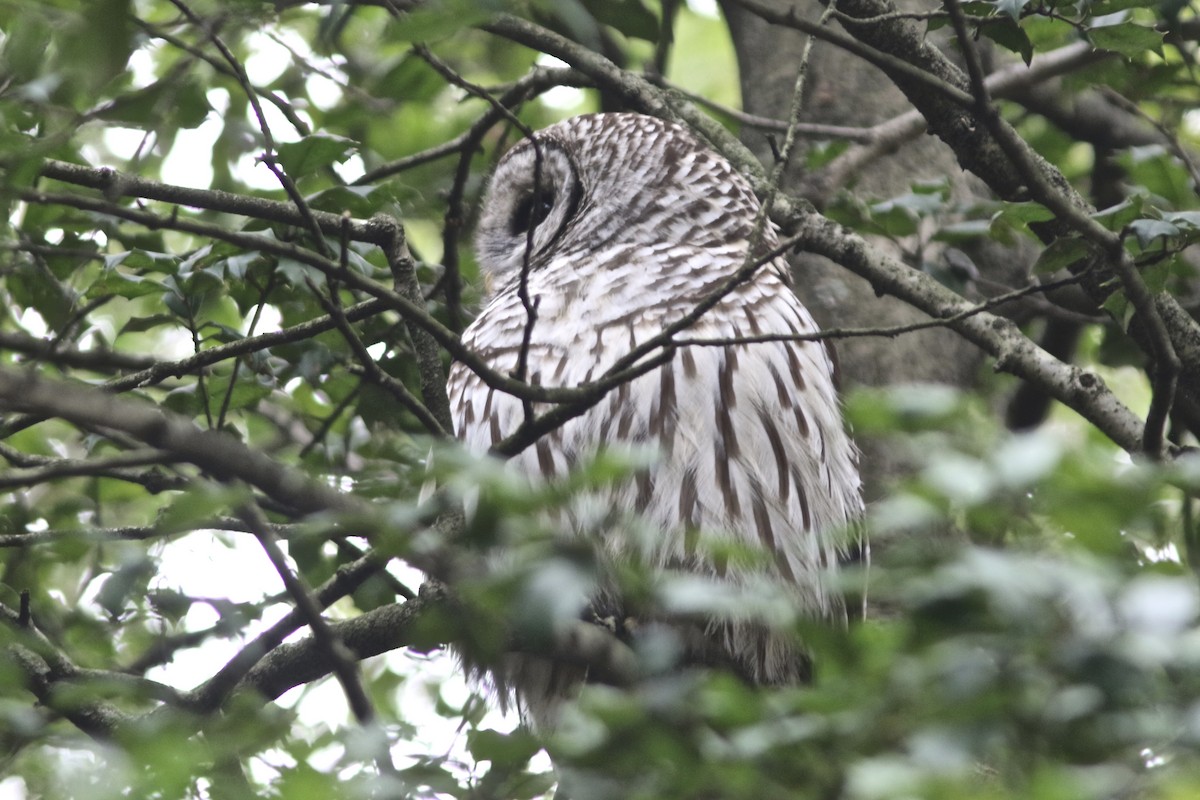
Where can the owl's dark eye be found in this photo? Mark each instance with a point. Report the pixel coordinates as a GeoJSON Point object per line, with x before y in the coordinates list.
{"type": "Point", "coordinates": [531, 211]}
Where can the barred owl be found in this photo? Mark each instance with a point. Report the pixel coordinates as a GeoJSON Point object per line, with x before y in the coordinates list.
{"type": "Point", "coordinates": [621, 224]}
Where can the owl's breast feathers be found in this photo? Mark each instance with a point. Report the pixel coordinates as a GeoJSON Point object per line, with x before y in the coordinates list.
{"type": "Point", "coordinates": [750, 436]}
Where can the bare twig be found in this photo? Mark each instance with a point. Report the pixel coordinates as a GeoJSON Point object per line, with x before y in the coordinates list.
{"type": "Point", "coordinates": [814, 130]}
{"type": "Point", "coordinates": [115, 185]}
{"type": "Point", "coordinates": [887, 62]}
{"type": "Point", "coordinates": [390, 237]}
{"type": "Point", "coordinates": [345, 665]}
{"type": "Point", "coordinates": [220, 455]}
{"type": "Point", "coordinates": [888, 332]}
{"type": "Point", "coordinates": [94, 358]}
{"type": "Point", "coordinates": [285, 106]}
{"type": "Point", "coordinates": [113, 466]}
{"type": "Point", "coordinates": [1077, 388]}
{"type": "Point", "coordinates": [207, 697]}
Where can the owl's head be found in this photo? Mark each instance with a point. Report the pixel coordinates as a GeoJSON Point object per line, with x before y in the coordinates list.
{"type": "Point", "coordinates": [601, 180]}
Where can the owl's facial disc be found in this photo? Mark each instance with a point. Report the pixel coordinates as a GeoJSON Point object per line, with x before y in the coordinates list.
{"type": "Point", "coordinates": [534, 196]}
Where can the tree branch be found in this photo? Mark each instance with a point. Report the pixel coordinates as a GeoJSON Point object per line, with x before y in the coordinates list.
{"type": "Point", "coordinates": [218, 454]}
{"type": "Point", "coordinates": [1077, 388]}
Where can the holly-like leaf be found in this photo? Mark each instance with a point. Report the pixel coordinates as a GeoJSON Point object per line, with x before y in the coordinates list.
{"type": "Point", "coordinates": [1147, 230]}
{"type": "Point", "coordinates": [32, 287]}
{"type": "Point", "coordinates": [1127, 38]}
{"type": "Point", "coordinates": [122, 284]}
{"type": "Point", "coordinates": [1189, 220]}
{"type": "Point", "coordinates": [1008, 33]}
{"type": "Point", "coordinates": [1116, 217]}
{"type": "Point", "coordinates": [145, 260]}
{"type": "Point", "coordinates": [1010, 8]}
{"type": "Point", "coordinates": [1017, 217]}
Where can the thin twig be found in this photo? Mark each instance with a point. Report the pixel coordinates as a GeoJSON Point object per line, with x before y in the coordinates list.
{"type": "Point", "coordinates": [285, 106]}
{"type": "Point", "coordinates": [887, 332]}
{"type": "Point", "coordinates": [537, 80]}
{"type": "Point", "coordinates": [890, 64]}
{"type": "Point", "coordinates": [813, 130]}
{"type": "Point", "coordinates": [207, 697]}
{"type": "Point", "coordinates": [116, 184]}
{"type": "Point", "coordinates": [217, 453]}
{"type": "Point", "coordinates": [94, 358]}
{"type": "Point", "coordinates": [263, 294]}
{"type": "Point", "coordinates": [345, 665]}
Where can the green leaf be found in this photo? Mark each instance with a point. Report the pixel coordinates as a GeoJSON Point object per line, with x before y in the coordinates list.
{"type": "Point", "coordinates": [502, 749]}
{"type": "Point", "coordinates": [1008, 33]}
{"type": "Point", "coordinates": [1116, 217]}
{"type": "Point", "coordinates": [199, 504]}
{"type": "Point", "coordinates": [143, 260]}
{"type": "Point", "coordinates": [360, 201]}
{"type": "Point", "coordinates": [126, 583]}
{"type": "Point", "coordinates": [113, 281]}
{"type": "Point", "coordinates": [1017, 217]}
{"type": "Point", "coordinates": [1102, 8]}
{"type": "Point", "coordinates": [821, 153]}
{"type": "Point", "coordinates": [23, 168]}
{"type": "Point", "coordinates": [1024, 213]}
{"type": "Point", "coordinates": [1127, 38]}
{"type": "Point", "coordinates": [172, 604]}
{"type": "Point", "coordinates": [99, 42]}
{"type": "Point", "coordinates": [141, 324]}
{"type": "Point", "coordinates": [630, 17]}
{"type": "Point", "coordinates": [1062, 252]}
{"type": "Point", "coordinates": [965, 231]}
{"type": "Point", "coordinates": [437, 20]}
{"type": "Point", "coordinates": [898, 216]}
{"type": "Point", "coordinates": [183, 102]}
{"type": "Point", "coordinates": [25, 45]}
{"type": "Point", "coordinates": [314, 152]}
{"type": "Point", "coordinates": [1119, 307]}
{"type": "Point", "coordinates": [247, 392]}
{"type": "Point", "coordinates": [411, 78]}
{"type": "Point", "coordinates": [36, 288]}
{"type": "Point", "coordinates": [1184, 219]}
{"type": "Point", "coordinates": [1147, 230]}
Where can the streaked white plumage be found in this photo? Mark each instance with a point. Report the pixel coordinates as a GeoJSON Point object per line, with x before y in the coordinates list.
{"type": "Point", "coordinates": [633, 222]}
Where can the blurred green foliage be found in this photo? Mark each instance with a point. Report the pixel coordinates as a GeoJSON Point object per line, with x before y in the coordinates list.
{"type": "Point", "coordinates": [1046, 649]}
